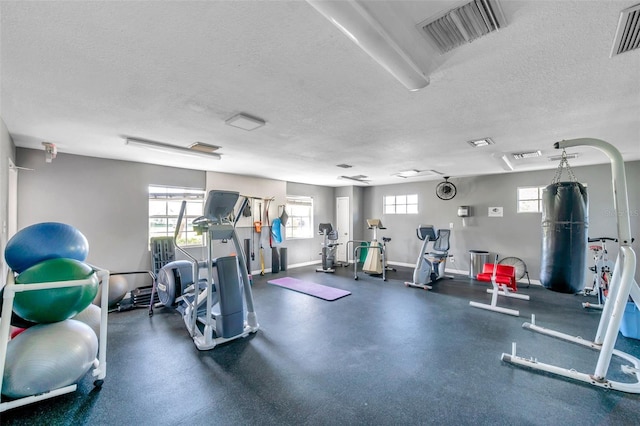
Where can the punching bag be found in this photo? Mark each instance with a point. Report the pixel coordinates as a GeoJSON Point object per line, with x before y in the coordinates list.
{"type": "Point", "coordinates": [565, 220]}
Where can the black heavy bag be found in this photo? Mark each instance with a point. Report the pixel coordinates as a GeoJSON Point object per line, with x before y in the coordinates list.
{"type": "Point", "coordinates": [565, 219]}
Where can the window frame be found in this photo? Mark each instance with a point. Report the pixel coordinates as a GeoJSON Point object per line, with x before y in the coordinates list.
{"type": "Point", "coordinates": [540, 188]}
{"type": "Point", "coordinates": [293, 232]}
{"type": "Point", "coordinates": [170, 195]}
{"type": "Point", "coordinates": [403, 201]}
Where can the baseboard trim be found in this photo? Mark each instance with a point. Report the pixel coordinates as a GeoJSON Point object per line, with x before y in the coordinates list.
{"type": "Point", "coordinates": [293, 266]}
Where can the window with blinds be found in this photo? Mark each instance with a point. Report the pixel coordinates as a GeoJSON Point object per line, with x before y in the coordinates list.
{"type": "Point", "coordinates": [300, 222]}
{"type": "Point", "coordinates": [164, 207]}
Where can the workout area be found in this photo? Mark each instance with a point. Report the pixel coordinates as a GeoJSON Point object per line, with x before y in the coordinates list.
{"type": "Point", "coordinates": [317, 212]}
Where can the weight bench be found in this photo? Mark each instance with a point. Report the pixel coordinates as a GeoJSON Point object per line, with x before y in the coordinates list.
{"type": "Point", "coordinates": [505, 275]}
{"type": "Point", "coordinates": [503, 280]}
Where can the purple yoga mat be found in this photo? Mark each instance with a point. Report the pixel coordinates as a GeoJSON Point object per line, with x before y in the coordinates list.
{"type": "Point", "coordinates": [312, 289]}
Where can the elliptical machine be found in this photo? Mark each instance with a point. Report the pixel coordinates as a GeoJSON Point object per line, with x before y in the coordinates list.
{"type": "Point", "coordinates": [218, 308]}
{"type": "Point", "coordinates": [431, 264]}
{"type": "Point", "coordinates": [328, 252]}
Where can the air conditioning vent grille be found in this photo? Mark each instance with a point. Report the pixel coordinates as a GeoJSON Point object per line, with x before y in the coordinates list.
{"type": "Point", "coordinates": [628, 33]}
{"type": "Point", "coordinates": [464, 24]}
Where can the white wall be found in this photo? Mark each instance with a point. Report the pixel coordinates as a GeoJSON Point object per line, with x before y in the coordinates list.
{"type": "Point", "coordinates": [7, 152]}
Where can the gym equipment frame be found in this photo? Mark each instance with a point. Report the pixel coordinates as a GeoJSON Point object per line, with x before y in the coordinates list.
{"type": "Point", "coordinates": [500, 288]}
{"type": "Point", "coordinates": [622, 286]}
{"type": "Point", "coordinates": [99, 364]}
{"type": "Point", "coordinates": [230, 314]}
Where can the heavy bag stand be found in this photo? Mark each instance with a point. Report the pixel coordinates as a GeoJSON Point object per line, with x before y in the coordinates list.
{"type": "Point", "coordinates": [623, 284]}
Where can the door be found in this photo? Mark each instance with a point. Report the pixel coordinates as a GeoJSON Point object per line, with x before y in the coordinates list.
{"type": "Point", "coordinates": [12, 202]}
{"type": "Point", "coordinates": [343, 219]}
{"type": "Point", "coordinates": [10, 225]}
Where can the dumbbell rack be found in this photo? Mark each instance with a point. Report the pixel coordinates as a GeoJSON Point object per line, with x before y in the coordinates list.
{"type": "Point", "coordinates": [99, 365]}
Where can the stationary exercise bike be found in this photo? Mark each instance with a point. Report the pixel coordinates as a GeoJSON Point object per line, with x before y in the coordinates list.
{"type": "Point", "coordinates": [602, 270]}
{"type": "Point", "coordinates": [431, 264]}
{"type": "Point", "coordinates": [373, 263]}
{"type": "Point", "coordinates": [219, 307]}
{"type": "Point", "coordinates": [329, 247]}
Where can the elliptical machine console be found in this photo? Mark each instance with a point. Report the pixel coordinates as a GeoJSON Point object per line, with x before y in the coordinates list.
{"type": "Point", "coordinates": [431, 264]}
{"type": "Point", "coordinates": [218, 308]}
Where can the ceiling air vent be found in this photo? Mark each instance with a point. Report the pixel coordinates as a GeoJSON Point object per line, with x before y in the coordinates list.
{"type": "Point", "coordinates": [464, 24]}
{"type": "Point", "coordinates": [203, 147]}
{"type": "Point", "coordinates": [628, 33]}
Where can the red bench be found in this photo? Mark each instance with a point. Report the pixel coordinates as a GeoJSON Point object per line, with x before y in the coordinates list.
{"type": "Point", "coordinates": [505, 274]}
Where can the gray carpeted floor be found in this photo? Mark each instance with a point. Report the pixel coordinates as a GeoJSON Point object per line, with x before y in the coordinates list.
{"type": "Point", "coordinates": [386, 354]}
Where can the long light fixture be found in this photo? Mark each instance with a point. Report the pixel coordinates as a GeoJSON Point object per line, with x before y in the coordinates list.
{"type": "Point", "coordinates": [171, 149]}
{"type": "Point", "coordinates": [357, 24]}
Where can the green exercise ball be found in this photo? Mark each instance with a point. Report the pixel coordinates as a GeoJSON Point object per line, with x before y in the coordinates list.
{"type": "Point", "coordinates": [56, 304]}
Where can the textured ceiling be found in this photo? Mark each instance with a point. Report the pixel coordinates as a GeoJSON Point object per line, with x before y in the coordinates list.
{"type": "Point", "coordinates": [84, 74]}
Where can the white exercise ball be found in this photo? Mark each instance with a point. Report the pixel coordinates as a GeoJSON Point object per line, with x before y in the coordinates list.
{"type": "Point", "coordinates": [47, 357]}
{"type": "Point", "coordinates": [118, 288]}
{"type": "Point", "coordinates": [91, 317]}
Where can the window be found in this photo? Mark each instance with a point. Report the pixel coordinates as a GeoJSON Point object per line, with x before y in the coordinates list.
{"type": "Point", "coordinates": [401, 204]}
{"type": "Point", "coordinates": [164, 207]}
{"type": "Point", "coordinates": [530, 199]}
{"type": "Point", "coordinates": [300, 222]}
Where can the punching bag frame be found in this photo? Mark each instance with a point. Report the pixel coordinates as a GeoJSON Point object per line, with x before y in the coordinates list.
{"type": "Point", "coordinates": [622, 286]}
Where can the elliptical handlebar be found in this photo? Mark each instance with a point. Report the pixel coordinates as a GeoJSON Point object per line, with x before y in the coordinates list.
{"type": "Point", "coordinates": [176, 232]}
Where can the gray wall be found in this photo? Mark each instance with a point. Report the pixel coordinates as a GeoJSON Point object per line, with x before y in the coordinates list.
{"type": "Point", "coordinates": [106, 200]}
{"type": "Point", "coordinates": [301, 251]}
{"type": "Point", "coordinates": [7, 152]}
{"type": "Point", "coordinates": [515, 234]}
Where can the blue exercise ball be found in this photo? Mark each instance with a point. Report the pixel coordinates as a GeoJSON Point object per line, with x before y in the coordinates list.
{"type": "Point", "coordinates": [43, 241]}
{"type": "Point", "coordinates": [47, 357]}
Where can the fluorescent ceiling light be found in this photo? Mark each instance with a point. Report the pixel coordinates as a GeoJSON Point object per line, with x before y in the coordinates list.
{"type": "Point", "coordinates": [530, 154]}
{"type": "Point", "coordinates": [245, 122]}
{"type": "Point", "coordinates": [357, 24]}
{"type": "Point", "coordinates": [414, 173]}
{"type": "Point", "coordinates": [356, 178]}
{"type": "Point", "coordinates": [407, 173]}
{"type": "Point", "coordinates": [171, 149]}
{"type": "Point", "coordinates": [559, 157]}
{"type": "Point", "coordinates": [480, 142]}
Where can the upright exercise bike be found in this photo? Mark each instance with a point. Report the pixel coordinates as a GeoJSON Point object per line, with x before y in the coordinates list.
{"type": "Point", "coordinates": [374, 263]}
{"type": "Point", "coordinates": [431, 264]}
{"type": "Point", "coordinates": [219, 307]}
{"type": "Point", "coordinates": [602, 270]}
{"type": "Point", "coordinates": [329, 247]}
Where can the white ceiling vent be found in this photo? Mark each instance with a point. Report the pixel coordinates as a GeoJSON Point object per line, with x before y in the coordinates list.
{"type": "Point", "coordinates": [628, 33]}
{"type": "Point", "coordinates": [464, 24]}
